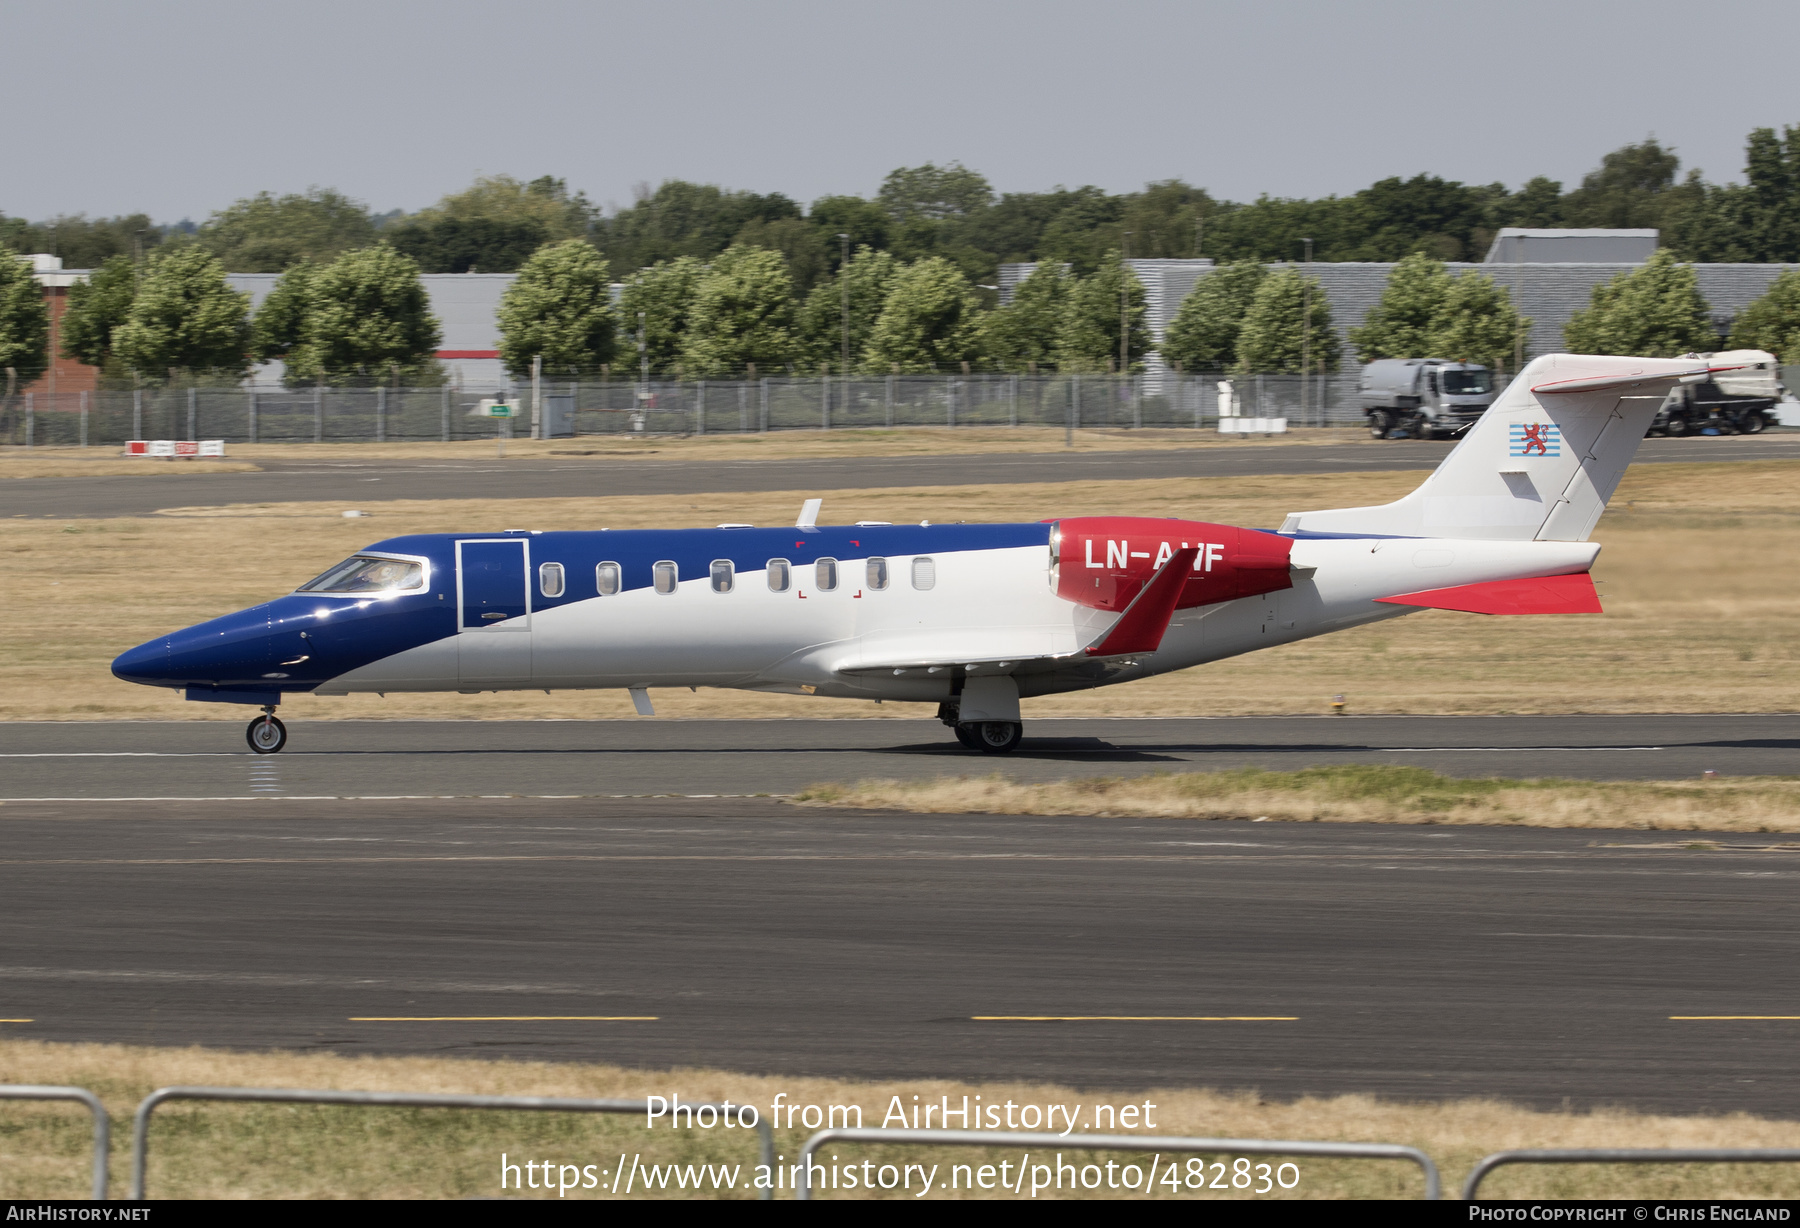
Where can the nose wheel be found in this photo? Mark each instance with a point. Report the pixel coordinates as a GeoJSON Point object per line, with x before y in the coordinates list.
{"type": "Point", "coordinates": [266, 735]}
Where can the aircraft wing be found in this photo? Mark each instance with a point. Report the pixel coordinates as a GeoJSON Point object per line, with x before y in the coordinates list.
{"type": "Point", "coordinates": [1136, 633]}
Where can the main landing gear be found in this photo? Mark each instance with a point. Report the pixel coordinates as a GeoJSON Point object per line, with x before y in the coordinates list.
{"type": "Point", "coordinates": [266, 735]}
{"type": "Point", "coordinates": [988, 737]}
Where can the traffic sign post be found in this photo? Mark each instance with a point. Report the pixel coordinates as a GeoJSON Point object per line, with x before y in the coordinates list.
{"type": "Point", "coordinates": [505, 412]}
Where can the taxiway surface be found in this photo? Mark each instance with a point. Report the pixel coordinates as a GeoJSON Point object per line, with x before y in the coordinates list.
{"type": "Point", "coordinates": [645, 757]}
{"type": "Point", "coordinates": [1543, 966]}
{"type": "Point", "coordinates": [354, 482]}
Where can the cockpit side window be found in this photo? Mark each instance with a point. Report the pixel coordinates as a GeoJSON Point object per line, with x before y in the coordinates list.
{"type": "Point", "coordinates": [363, 573]}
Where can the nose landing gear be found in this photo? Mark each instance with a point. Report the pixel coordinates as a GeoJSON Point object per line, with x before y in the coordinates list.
{"type": "Point", "coordinates": [266, 735]}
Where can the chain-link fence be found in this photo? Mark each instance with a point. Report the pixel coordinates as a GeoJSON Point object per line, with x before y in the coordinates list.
{"type": "Point", "coordinates": [691, 407]}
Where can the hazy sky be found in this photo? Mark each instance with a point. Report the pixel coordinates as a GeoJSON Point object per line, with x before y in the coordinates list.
{"type": "Point", "coordinates": [178, 108]}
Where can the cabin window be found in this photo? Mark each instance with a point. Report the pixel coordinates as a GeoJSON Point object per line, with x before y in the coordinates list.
{"type": "Point", "coordinates": [779, 575]}
{"type": "Point", "coordinates": [877, 573]}
{"type": "Point", "coordinates": [550, 579]}
{"type": "Point", "coordinates": [668, 576]}
{"type": "Point", "coordinates": [924, 573]}
{"type": "Point", "coordinates": [825, 575]}
{"type": "Point", "coordinates": [606, 579]}
{"type": "Point", "coordinates": [721, 575]}
{"type": "Point", "coordinates": [364, 573]}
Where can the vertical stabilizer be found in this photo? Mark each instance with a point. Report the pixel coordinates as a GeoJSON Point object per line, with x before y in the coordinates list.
{"type": "Point", "coordinates": [1540, 464]}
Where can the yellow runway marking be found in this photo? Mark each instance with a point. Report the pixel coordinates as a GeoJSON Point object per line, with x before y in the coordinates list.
{"type": "Point", "coordinates": [18, 1021]}
{"type": "Point", "coordinates": [1734, 1016]}
{"type": "Point", "coordinates": [503, 1018]}
{"type": "Point", "coordinates": [1134, 1018]}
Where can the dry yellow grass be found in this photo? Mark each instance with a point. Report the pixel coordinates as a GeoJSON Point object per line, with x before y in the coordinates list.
{"type": "Point", "coordinates": [776, 445]}
{"type": "Point", "coordinates": [226, 1151]}
{"type": "Point", "coordinates": [1352, 794]}
{"type": "Point", "coordinates": [1697, 576]}
{"type": "Point", "coordinates": [98, 463]}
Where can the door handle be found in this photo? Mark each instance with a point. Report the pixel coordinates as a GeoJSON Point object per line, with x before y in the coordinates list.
{"type": "Point", "coordinates": [487, 617]}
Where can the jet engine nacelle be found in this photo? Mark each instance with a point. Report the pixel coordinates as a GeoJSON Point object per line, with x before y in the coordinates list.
{"type": "Point", "coordinates": [1103, 561]}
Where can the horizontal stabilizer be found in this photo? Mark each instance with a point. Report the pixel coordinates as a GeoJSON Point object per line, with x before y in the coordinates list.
{"type": "Point", "coordinates": [1545, 595]}
{"type": "Point", "coordinates": [1140, 628]}
{"type": "Point", "coordinates": [1623, 380]}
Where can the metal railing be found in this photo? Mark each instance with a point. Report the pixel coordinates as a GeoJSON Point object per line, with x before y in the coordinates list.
{"type": "Point", "coordinates": [102, 1123]}
{"type": "Point", "coordinates": [1114, 1142]}
{"type": "Point", "coordinates": [1169, 401]}
{"type": "Point", "coordinates": [1635, 1155]}
{"type": "Point", "coordinates": [140, 1139]}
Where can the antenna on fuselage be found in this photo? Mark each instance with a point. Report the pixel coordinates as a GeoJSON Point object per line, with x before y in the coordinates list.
{"type": "Point", "coordinates": [809, 514]}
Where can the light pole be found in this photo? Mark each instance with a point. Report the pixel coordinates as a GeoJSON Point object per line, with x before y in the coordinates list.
{"type": "Point", "coordinates": [643, 356]}
{"type": "Point", "coordinates": [844, 294]}
{"type": "Point", "coordinates": [1305, 329]}
{"type": "Point", "coordinates": [1125, 305]}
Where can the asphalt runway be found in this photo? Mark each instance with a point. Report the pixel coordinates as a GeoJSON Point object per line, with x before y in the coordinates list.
{"type": "Point", "coordinates": [1541, 966]}
{"type": "Point", "coordinates": [642, 757]}
{"type": "Point", "coordinates": [353, 482]}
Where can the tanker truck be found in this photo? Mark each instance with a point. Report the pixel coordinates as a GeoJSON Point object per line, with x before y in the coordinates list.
{"type": "Point", "coordinates": [1423, 398]}
{"type": "Point", "coordinates": [1736, 402]}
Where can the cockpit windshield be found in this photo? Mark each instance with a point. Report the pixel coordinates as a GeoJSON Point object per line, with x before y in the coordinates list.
{"type": "Point", "coordinates": [365, 573]}
{"type": "Point", "coordinates": [1466, 383]}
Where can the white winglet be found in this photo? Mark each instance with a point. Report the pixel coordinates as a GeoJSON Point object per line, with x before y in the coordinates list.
{"type": "Point", "coordinates": [809, 514]}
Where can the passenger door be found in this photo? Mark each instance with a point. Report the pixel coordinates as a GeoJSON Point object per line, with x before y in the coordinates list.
{"type": "Point", "coordinates": [493, 612]}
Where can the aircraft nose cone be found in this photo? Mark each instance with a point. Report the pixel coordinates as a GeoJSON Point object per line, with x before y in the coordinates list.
{"type": "Point", "coordinates": [147, 663]}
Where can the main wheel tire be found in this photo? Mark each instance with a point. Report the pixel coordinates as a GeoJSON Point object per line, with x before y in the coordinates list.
{"type": "Point", "coordinates": [266, 735]}
{"type": "Point", "coordinates": [1678, 426]}
{"type": "Point", "coordinates": [999, 737]}
{"type": "Point", "coordinates": [965, 733]}
{"type": "Point", "coordinates": [1380, 423]}
{"type": "Point", "coordinates": [1752, 423]}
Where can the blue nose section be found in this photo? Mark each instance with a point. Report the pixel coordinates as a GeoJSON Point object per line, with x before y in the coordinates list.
{"type": "Point", "coordinates": [227, 651]}
{"type": "Point", "coordinates": [147, 663]}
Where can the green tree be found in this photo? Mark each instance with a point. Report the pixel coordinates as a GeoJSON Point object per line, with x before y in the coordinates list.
{"type": "Point", "coordinates": [802, 245]}
{"type": "Point", "coordinates": [185, 318]}
{"type": "Point", "coordinates": [266, 234]}
{"type": "Point", "coordinates": [280, 325]}
{"type": "Point", "coordinates": [560, 307]}
{"type": "Point", "coordinates": [1401, 324]}
{"type": "Point", "coordinates": [664, 296]}
{"type": "Point", "coordinates": [1024, 333]}
{"type": "Point", "coordinates": [868, 278]}
{"type": "Point", "coordinates": [1273, 337]}
{"type": "Point", "coordinates": [1772, 322]}
{"type": "Point", "coordinates": [1537, 205]}
{"type": "Point", "coordinates": [83, 243]}
{"type": "Point", "coordinates": [685, 219]}
{"type": "Point", "coordinates": [97, 307]}
{"type": "Point", "coordinates": [1626, 191]}
{"type": "Point", "coordinates": [743, 313]}
{"type": "Point", "coordinates": [929, 322]}
{"type": "Point", "coordinates": [1654, 311]}
{"type": "Point", "coordinates": [1476, 323]}
{"type": "Point", "coordinates": [24, 324]}
{"type": "Point", "coordinates": [934, 193]}
{"type": "Point", "coordinates": [1089, 338]}
{"type": "Point", "coordinates": [493, 226]}
{"type": "Point", "coordinates": [1772, 175]}
{"type": "Point", "coordinates": [1203, 336]}
{"type": "Point", "coordinates": [367, 317]}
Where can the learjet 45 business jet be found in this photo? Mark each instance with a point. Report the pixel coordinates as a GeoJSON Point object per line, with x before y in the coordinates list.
{"type": "Point", "coordinates": [969, 617]}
